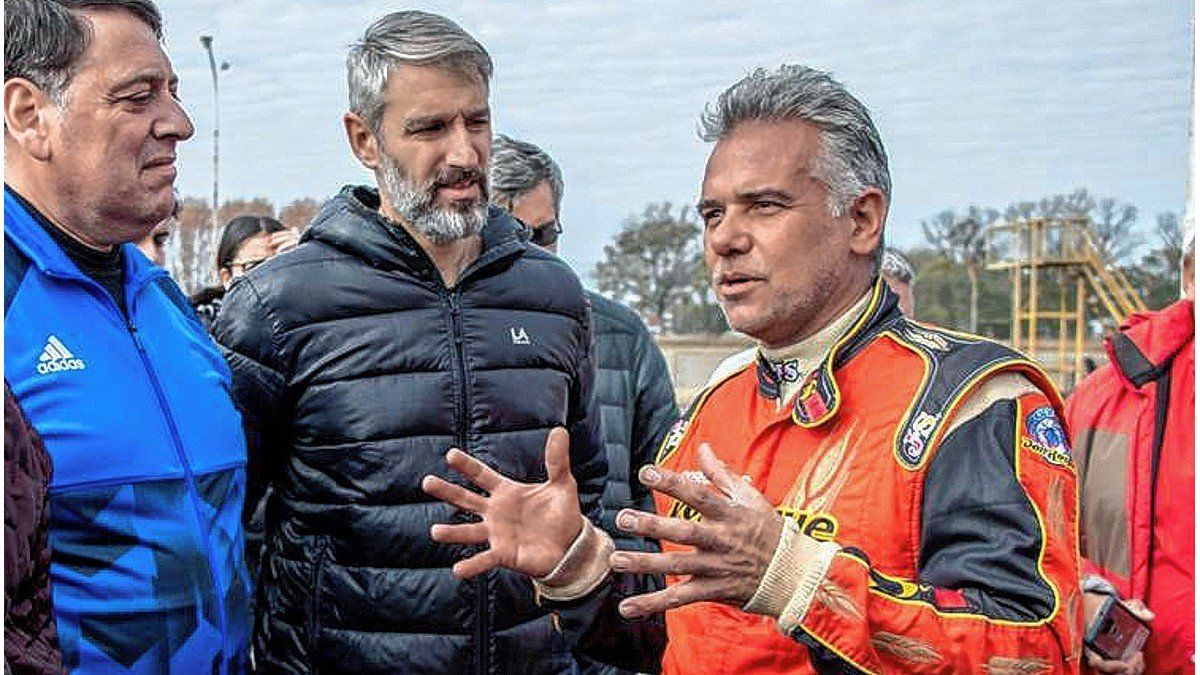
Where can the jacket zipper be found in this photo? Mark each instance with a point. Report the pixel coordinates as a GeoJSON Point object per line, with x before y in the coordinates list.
{"type": "Point", "coordinates": [176, 441]}
{"type": "Point", "coordinates": [452, 295]}
{"type": "Point", "coordinates": [189, 477]}
{"type": "Point", "coordinates": [460, 434]}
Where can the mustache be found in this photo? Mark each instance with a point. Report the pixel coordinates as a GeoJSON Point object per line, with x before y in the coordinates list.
{"type": "Point", "coordinates": [452, 175]}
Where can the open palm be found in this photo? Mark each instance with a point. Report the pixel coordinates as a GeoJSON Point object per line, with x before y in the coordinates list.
{"type": "Point", "coordinates": [526, 526]}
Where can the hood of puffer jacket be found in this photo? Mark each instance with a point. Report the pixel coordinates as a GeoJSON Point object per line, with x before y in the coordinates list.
{"type": "Point", "coordinates": [351, 222]}
{"type": "Point", "coordinates": [1143, 348]}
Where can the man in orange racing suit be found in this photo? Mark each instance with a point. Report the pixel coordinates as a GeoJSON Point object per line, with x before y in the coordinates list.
{"type": "Point", "coordinates": [858, 493]}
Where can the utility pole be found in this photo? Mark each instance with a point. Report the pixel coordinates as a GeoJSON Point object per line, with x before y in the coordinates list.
{"type": "Point", "coordinates": [206, 42]}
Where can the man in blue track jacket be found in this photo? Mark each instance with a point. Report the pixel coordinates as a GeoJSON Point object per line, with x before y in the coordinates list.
{"type": "Point", "coordinates": [105, 356]}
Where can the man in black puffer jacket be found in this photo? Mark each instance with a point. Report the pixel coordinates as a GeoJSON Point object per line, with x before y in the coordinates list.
{"type": "Point", "coordinates": [408, 321]}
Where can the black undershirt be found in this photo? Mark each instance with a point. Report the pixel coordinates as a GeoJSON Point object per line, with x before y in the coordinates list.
{"type": "Point", "coordinates": [106, 268]}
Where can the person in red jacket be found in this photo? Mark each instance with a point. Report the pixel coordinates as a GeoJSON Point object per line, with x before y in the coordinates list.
{"type": "Point", "coordinates": [1132, 427]}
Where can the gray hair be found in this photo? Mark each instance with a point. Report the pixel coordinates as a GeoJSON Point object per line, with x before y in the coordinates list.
{"type": "Point", "coordinates": [897, 266]}
{"type": "Point", "coordinates": [44, 40]}
{"type": "Point", "coordinates": [519, 167]}
{"type": "Point", "coordinates": [408, 38]}
{"type": "Point", "coordinates": [851, 156]}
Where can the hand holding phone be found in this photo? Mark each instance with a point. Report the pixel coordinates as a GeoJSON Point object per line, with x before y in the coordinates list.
{"type": "Point", "coordinates": [1116, 633]}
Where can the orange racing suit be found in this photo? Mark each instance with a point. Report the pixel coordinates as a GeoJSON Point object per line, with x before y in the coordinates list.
{"type": "Point", "coordinates": [958, 549]}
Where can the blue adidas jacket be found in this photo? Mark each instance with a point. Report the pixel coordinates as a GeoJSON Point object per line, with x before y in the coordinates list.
{"type": "Point", "coordinates": [149, 462]}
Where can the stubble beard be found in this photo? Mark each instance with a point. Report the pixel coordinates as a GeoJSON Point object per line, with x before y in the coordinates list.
{"type": "Point", "coordinates": [783, 322]}
{"type": "Point", "coordinates": [415, 203]}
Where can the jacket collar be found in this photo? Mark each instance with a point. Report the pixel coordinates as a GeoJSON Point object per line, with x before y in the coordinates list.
{"type": "Point", "coordinates": [351, 222]}
{"type": "Point", "coordinates": [819, 396]}
{"type": "Point", "coordinates": [1143, 349]}
{"type": "Point", "coordinates": [23, 229]}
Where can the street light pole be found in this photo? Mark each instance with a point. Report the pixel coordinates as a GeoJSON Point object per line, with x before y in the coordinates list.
{"type": "Point", "coordinates": [206, 42]}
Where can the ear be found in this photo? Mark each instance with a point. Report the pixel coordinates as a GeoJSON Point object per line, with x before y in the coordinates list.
{"type": "Point", "coordinates": [29, 116]}
{"type": "Point", "coordinates": [224, 276]}
{"type": "Point", "coordinates": [363, 143]}
{"type": "Point", "coordinates": [867, 214]}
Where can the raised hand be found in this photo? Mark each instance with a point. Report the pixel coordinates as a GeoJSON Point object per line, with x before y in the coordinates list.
{"type": "Point", "coordinates": [733, 542]}
{"type": "Point", "coordinates": [283, 240]}
{"type": "Point", "coordinates": [527, 526]}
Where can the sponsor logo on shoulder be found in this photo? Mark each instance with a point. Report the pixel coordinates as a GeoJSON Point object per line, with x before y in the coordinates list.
{"type": "Point", "coordinates": [912, 446]}
{"type": "Point", "coordinates": [675, 435]}
{"type": "Point", "coordinates": [57, 358]}
{"type": "Point", "coordinates": [927, 339]}
{"type": "Point", "coordinates": [1044, 436]}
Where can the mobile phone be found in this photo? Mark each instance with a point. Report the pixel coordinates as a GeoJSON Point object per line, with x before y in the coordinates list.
{"type": "Point", "coordinates": [1116, 634]}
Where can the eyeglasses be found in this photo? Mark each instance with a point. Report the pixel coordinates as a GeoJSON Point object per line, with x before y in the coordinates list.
{"type": "Point", "coordinates": [543, 235]}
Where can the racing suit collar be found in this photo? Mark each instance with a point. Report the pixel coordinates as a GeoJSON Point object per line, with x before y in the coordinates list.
{"type": "Point", "coordinates": [819, 397]}
{"type": "Point", "coordinates": [784, 368]}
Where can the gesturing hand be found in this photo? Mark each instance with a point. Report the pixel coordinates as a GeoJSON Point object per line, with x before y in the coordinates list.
{"type": "Point", "coordinates": [527, 526]}
{"type": "Point", "coordinates": [734, 542]}
{"type": "Point", "coordinates": [283, 240]}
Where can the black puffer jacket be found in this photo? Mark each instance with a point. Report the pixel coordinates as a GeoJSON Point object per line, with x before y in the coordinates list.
{"type": "Point", "coordinates": [356, 370]}
{"type": "Point", "coordinates": [636, 402]}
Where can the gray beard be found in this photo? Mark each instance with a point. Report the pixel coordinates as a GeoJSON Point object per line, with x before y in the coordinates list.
{"type": "Point", "coordinates": [414, 202]}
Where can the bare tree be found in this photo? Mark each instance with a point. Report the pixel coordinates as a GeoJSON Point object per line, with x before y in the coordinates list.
{"type": "Point", "coordinates": [652, 261]}
{"type": "Point", "coordinates": [299, 213]}
{"type": "Point", "coordinates": [1113, 226]}
{"type": "Point", "coordinates": [259, 206]}
{"type": "Point", "coordinates": [192, 251]}
{"type": "Point", "coordinates": [964, 241]}
{"type": "Point", "coordinates": [1169, 230]}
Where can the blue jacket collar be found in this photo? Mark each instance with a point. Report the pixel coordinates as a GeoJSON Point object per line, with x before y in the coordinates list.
{"type": "Point", "coordinates": [22, 228]}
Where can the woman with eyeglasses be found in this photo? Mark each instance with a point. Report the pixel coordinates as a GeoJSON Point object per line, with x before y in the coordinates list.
{"type": "Point", "coordinates": [246, 242]}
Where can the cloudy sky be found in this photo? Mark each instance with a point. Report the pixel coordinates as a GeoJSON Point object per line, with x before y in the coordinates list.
{"type": "Point", "coordinates": [978, 102]}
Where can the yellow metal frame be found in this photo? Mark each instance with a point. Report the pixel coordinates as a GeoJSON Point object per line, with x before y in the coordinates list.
{"type": "Point", "coordinates": [1045, 252]}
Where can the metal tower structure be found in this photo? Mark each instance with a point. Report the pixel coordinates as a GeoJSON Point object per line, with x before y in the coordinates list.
{"type": "Point", "coordinates": [1056, 267]}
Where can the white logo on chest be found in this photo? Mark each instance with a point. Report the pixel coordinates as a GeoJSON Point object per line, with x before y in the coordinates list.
{"type": "Point", "coordinates": [57, 358]}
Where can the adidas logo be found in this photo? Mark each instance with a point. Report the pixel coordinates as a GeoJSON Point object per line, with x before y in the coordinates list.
{"type": "Point", "coordinates": [56, 357]}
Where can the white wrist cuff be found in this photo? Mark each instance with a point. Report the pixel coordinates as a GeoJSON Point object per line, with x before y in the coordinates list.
{"type": "Point", "coordinates": [806, 588]}
{"type": "Point", "coordinates": [582, 568]}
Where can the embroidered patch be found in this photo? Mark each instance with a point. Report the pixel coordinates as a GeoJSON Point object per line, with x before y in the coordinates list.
{"type": "Point", "coordinates": [905, 648]}
{"type": "Point", "coordinates": [673, 438]}
{"type": "Point", "coordinates": [927, 339]}
{"type": "Point", "coordinates": [912, 446]}
{"type": "Point", "coordinates": [1044, 436]}
{"type": "Point", "coordinates": [946, 598]}
{"type": "Point", "coordinates": [1004, 665]}
{"type": "Point", "coordinates": [787, 371]}
{"type": "Point", "coordinates": [812, 403]}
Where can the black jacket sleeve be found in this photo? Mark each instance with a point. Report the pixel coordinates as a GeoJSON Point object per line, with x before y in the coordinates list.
{"type": "Point", "coordinates": [589, 461]}
{"type": "Point", "coordinates": [592, 622]}
{"type": "Point", "coordinates": [243, 330]}
{"type": "Point", "coordinates": [654, 412]}
{"type": "Point", "coordinates": [604, 635]}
